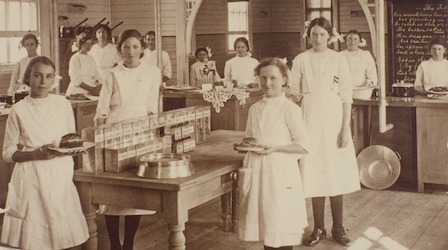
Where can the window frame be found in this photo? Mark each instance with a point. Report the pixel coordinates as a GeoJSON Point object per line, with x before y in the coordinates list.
{"type": "Point", "coordinates": [8, 34]}
{"type": "Point", "coordinates": [247, 34]}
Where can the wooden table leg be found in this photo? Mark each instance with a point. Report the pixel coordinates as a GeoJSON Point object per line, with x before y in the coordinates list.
{"type": "Point", "coordinates": [225, 206]}
{"type": "Point", "coordinates": [177, 239]}
{"type": "Point", "coordinates": [235, 208]}
{"type": "Point", "coordinates": [89, 211]}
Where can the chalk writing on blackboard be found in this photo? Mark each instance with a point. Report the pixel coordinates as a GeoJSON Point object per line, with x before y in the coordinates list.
{"type": "Point", "coordinates": [413, 25]}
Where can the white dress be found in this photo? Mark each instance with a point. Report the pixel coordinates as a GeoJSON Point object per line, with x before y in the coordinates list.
{"type": "Point", "coordinates": [44, 207]}
{"type": "Point", "coordinates": [150, 56]}
{"type": "Point", "coordinates": [105, 57]}
{"type": "Point", "coordinates": [240, 69]}
{"type": "Point", "coordinates": [362, 67]}
{"type": "Point", "coordinates": [129, 93]}
{"type": "Point", "coordinates": [82, 69]}
{"type": "Point", "coordinates": [432, 73]}
{"type": "Point", "coordinates": [17, 76]}
{"type": "Point", "coordinates": [197, 78]}
{"type": "Point", "coordinates": [271, 200]}
{"type": "Point", "coordinates": [323, 79]}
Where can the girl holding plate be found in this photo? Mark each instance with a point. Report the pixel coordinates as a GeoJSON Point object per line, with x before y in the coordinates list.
{"type": "Point", "coordinates": [43, 206]}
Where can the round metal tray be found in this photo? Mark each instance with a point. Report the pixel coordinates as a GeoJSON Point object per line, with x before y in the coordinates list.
{"type": "Point", "coordinates": [165, 166]}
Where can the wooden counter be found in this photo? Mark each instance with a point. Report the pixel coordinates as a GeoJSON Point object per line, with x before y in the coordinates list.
{"type": "Point", "coordinates": [420, 135]}
{"type": "Point", "coordinates": [231, 117]}
{"type": "Point", "coordinates": [213, 161]}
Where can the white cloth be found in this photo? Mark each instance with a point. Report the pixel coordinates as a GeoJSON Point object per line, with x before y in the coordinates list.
{"type": "Point", "coordinates": [44, 207]}
{"type": "Point", "coordinates": [82, 69]}
{"type": "Point", "coordinates": [432, 73]}
{"type": "Point", "coordinates": [362, 67]}
{"type": "Point", "coordinates": [197, 76]}
{"type": "Point", "coordinates": [240, 69]}
{"type": "Point", "coordinates": [323, 79]}
{"type": "Point", "coordinates": [150, 56]}
{"type": "Point", "coordinates": [126, 94]}
{"type": "Point", "coordinates": [105, 57]}
{"type": "Point", "coordinates": [271, 200]}
{"type": "Point", "coordinates": [17, 76]}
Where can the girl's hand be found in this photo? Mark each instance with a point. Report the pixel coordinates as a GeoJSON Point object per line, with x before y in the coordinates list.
{"type": "Point", "coordinates": [43, 153]}
{"type": "Point", "coordinates": [267, 150]}
{"type": "Point", "coordinates": [343, 138]}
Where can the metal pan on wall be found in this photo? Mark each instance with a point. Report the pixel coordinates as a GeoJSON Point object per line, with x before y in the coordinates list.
{"type": "Point", "coordinates": [379, 167]}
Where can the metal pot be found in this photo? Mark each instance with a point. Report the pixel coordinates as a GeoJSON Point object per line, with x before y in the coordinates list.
{"type": "Point", "coordinates": [69, 32]}
{"type": "Point", "coordinates": [403, 89]}
{"type": "Point", "coordinates": [165, 166]}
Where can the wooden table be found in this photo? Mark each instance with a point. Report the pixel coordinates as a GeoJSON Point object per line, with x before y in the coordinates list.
{"type": "Point", "coordinates": [214, 163]}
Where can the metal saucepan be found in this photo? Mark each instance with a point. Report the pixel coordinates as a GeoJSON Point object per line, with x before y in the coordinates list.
{"type": "Point", "coordinates": [165, 166]}
{"type": "Point", "coordinates": [403, 89]}
{"type": "Point", "coordinates": [69, 32]}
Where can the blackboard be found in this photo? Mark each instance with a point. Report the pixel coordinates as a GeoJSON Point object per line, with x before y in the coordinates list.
{"type": "Point", "coordinates": [411, 26]}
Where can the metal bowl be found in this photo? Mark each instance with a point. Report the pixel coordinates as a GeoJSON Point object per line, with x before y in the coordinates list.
{"type": "Point", "coordinates": [379, 167]}
{"type": "Point", "coordinates": [165, 166]}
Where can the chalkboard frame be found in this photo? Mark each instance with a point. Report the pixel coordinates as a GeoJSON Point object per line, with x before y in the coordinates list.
{"type": "Point", "coordinates": [391, 35]}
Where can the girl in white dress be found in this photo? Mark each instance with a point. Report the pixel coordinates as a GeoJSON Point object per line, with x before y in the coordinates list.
{"type": "Point", "coordinates": [203, 70]}
{"type": "Point", "coordinates": [239, 71]}
{"type": "Point", "coordinates": [84, 75]}
{"type": "Point", "coordinates": [272, 204]}
{"type": "Point", "coordinates": [43, 206]}
{"type": "Point", "coordinates": [322, 77]}
{"type": "Point", "coordinates": [361, 63]}
{"type": "Point", "coordinates": [30, 43]}
{"type": "Point", "coordinates": [104, 52]}
{"type": "Point", "coordinates": [131, 90]}
{"type": "Point", "coordinates": [433, 72]}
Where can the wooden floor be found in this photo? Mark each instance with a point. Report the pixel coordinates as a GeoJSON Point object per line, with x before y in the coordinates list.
{"type": "Point", "coordinates": [384, 219]}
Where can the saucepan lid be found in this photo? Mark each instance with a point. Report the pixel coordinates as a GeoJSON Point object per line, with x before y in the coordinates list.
{"type": "Point", "coordinates": [379, 167]}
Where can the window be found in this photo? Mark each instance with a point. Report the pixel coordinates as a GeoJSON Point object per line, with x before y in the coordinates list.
{"type": "Point", "coordinates": [318, 8]}
{"type": "Point", "coordinates": [238, 16]}
{"type": "Point", "coordinates": [17, 18]}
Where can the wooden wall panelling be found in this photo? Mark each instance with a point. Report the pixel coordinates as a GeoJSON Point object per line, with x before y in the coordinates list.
{"type": "Point", "coordinates": [261, 16]}
{"type": "Point", "coordinates": [286, 16]}
{"type": "Point", "coordinates": [211, 18]}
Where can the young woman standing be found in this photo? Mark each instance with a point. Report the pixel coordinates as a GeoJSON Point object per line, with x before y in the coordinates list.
{"type": "Point", "coordinates": [322, 78]}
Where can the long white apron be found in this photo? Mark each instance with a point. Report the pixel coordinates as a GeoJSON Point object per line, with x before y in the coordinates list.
{"type": "Point", "coordinates": [44, 207]}
{"type": "Point", "coordinates": [271, 200]}
{"type": "Point", "coordinates": [327, 170]}
{"type": "Point", "coordinates": [134, 104]}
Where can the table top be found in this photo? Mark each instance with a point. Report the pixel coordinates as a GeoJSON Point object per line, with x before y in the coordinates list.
{"type": "Point", "coordinates": [210, 159]}
{"type": "Point", "coordinates": [417, 101]}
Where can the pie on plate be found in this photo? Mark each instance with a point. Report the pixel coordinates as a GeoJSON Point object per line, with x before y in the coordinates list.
{"type": "Point", "coordinates": [438, 90]}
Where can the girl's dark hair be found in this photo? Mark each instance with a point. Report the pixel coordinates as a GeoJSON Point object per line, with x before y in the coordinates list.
{"type": "Point", "coordinates": [199, 50]}
{"type": "Point", "coordinates": [274, 62]}
{"type": "Point", "coordinates": [27, 37]}
{"type": "Point", "coordinates": [242, 39]}
{"type": "Point", "coordinates": [438, 41]}
{"type": "Point", "coordinates": [82, 38]}
{"type": "Point", "coordinates": [128, 34]}
{"type": "Point", "coordinates": [322, 22]}
{"type": "Point", "coordinates": [105, 28]}
{"type": "Point", "coordinates": [151, 32]}
{"type": "Point", "coordinates": [39, 59]}
{"type": "Point", "coordinates": [354, 32]}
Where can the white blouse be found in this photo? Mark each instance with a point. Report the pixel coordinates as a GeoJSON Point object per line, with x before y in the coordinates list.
{"type": "Point", "coordinates": [105, 57]}
{"type": "Point", "coordinates": [197, 77]}
{"type": "Point", "coordinates": [17, 75]}
{"type": "Point", "coordinates": [82, 69]}
{"type": "Point", "coordinates": [432, 73]}
{"type": "Point", "coordinates": [362, 67]}
{"type": "Point", "coordinates": [240, 69]}
{"type": "Point", "coordinates": [150, 56]}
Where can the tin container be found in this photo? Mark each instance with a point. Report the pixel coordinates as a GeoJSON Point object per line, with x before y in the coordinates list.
{"type": "Point", "coordinates": [165, 166]}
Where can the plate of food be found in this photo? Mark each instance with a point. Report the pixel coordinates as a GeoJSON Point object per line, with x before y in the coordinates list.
{"type": "Point", "coordinates": [438, 90]}
{"type": "Point", "coordinates": [72, 143]}
{"type": "Point", "coordinates": [78, 97]}
{"type": "Point", "coordinates": [437, 96]}
{"type": "Point", "coordinates": [249, 144]}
